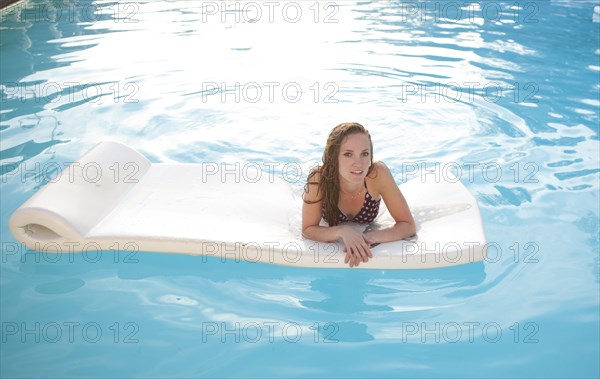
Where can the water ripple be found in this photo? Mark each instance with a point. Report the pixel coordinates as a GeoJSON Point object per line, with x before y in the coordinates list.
{"type": "Point", "coordinates": [512, 101]}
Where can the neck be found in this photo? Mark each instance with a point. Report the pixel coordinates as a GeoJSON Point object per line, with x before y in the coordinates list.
{"type": "Point", "coordinates": [351, 188]}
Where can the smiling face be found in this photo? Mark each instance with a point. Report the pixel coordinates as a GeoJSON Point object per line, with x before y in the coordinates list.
{"type": "Point", "coordinates": [354, 159]}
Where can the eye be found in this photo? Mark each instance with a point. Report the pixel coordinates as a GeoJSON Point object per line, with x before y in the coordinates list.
{"type": "Point", "coordinates": [348, 154]}
{"type": "Point", "coordinates": [366, 154]}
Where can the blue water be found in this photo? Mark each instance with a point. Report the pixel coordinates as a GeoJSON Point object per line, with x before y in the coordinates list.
{"type": "Point", "coordinates": [504, 94]}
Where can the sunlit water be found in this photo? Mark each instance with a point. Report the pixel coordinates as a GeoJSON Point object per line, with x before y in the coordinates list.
{"type": "Point", "coordinates": [505, 95]}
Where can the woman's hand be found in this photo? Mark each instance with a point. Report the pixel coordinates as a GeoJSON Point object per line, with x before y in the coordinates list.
{"type": "Point", "coordinates": [356, 246]}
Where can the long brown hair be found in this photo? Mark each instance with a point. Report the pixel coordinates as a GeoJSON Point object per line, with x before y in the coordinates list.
{"type": "Point", "coordinates": [329, 181]}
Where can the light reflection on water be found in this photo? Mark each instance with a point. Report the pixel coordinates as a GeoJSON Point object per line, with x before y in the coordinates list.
{"type": "Point", "coordinates": [519, 95]}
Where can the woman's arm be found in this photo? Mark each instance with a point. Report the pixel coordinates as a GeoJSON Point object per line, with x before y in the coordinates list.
{"type": "Point", "coordinates": [396, 205]}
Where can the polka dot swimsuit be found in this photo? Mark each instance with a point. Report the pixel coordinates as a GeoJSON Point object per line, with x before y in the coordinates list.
{"type": "Point", "coordinates": [367, 213]}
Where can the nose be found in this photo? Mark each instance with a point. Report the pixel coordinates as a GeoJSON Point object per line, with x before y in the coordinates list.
{"type": "Point", "coordinates": [358, 161]}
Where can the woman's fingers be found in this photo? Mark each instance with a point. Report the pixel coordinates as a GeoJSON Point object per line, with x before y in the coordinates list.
{"type": "Point", "coordinates": [370, 243]}
{"type": "Point", "coordinates": [351, 259]}
{"type": "Point", "coordinates": [363, 251]}
{"type": "Point", "coordinates": [357, 251]}
{"type": "Point", "coordinates": [357, 246]}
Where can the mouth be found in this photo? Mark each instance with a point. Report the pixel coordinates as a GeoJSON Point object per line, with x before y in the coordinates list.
{"type": "Point", "coordinates": [357, 172]}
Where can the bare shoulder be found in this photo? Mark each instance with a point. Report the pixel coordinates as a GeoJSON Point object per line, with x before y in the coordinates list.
{"type": "Point", "coordinates": [380, 178]}
{"type": "Point", "coordinates": [381, 168]}
{"type": "Point", "coordinates": [380, 173]}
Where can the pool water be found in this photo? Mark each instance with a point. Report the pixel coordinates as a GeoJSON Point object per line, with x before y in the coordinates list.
{"type": "Point", "coordinates": [505, 95]}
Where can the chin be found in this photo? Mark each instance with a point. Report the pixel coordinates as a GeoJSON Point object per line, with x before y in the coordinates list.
{"type": "Point", "coordinates": [356, 178]}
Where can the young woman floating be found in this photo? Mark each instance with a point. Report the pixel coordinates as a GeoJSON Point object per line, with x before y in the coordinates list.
{"type": "Point", "coordinates": [349, 186]}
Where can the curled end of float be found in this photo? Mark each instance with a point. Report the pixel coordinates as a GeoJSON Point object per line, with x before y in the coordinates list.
{"type": "Point", "coordinates": [36, 227]}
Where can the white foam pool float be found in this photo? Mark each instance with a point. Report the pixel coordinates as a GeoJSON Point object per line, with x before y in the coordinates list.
{"type": "Point", "coordinates": [115, 198]}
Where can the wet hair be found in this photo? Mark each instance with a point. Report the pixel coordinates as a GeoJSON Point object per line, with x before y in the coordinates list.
{"type": "Point", "coordinates": [328, 185]}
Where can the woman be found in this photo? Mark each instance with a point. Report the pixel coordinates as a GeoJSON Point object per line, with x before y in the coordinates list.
{"type": "Point", "coordinates": [349, 186]}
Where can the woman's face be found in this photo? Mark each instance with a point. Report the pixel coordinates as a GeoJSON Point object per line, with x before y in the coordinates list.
{"type": "Point", "coordinates": [355, 158]}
